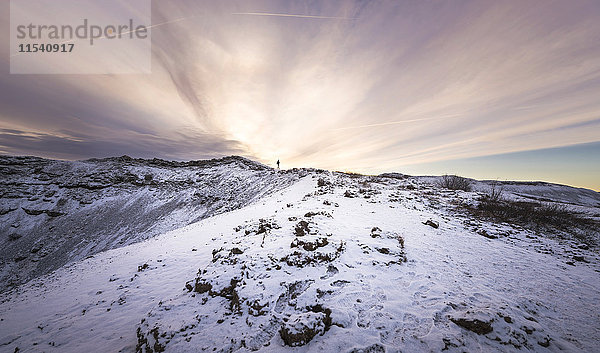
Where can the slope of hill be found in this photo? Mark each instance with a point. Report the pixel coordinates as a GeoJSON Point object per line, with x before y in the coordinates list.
{"type": "Point", "coordinates": [536, 190]}
{"type": "Point", "coordinates": [542, 191]}
{"type": "Point", "coordinates": [54, 212]}
{"type": "Point", "coordinates": [334, 262]}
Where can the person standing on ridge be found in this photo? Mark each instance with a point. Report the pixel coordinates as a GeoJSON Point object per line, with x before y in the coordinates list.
{"type": "Point", "coordinates": [278, 164]}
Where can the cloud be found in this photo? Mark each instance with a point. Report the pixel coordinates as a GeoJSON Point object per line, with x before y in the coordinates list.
{"type": "Point", "coordinates": [401, 83]}
{"type": "Point", "coordinates": [68, 145]}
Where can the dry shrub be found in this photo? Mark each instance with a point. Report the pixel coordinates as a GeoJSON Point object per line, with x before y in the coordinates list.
{"type": "Point", "coordinates": [539, 215]}
{"type": "Point", "coordinates": [455, 182]}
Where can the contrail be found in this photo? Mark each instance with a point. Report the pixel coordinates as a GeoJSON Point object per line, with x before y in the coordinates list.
{"type": "Point", "coordinates": [292, 15]}
{"type": "Point", "coordinates": [398, 122]}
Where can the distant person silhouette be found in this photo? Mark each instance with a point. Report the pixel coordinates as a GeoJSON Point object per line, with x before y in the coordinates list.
{"type": "Point", "coordinates": [278, 164]}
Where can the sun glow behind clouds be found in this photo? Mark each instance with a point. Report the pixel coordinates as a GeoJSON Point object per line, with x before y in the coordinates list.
{"type": "Point", "coordinates": [340, 85]}
{"type": "Point", "coordinates": [402, 84]}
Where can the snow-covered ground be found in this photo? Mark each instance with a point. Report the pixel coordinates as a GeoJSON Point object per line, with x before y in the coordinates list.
{"type": "Point", "coordinates": [55, 212]}
{"type": "Point", "coordinates": [334, 262]}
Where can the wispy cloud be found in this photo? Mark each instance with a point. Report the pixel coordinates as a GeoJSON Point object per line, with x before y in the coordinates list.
{"type": "Point", "coordinates": [367, 86]}
{"type": "Point", "coordinates": [397, 122]}
{"type": "Point", "coordinates": [292, 15]}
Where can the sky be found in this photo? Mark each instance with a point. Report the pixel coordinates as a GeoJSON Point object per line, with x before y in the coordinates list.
{"type": "Point", "coordinates": [486, 89]}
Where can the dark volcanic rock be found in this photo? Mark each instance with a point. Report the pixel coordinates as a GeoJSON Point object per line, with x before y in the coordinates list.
{"type": "Point", "coordinates": [202, 287]}
{"type": "Point", "coordinates": [310, 245]}
{"type": "Point", "coordinates": [375, 348]}
{"type": "Point", "coordinates": [475, 325]}
{"type": "Point", "coordinates": [484, 233]}
{"type": "Point", "coordinates": [301, 229]}
{"type": "Point", "coordinates": [431, 224]}
{"type": "Point", "coordinates": [300, 329]}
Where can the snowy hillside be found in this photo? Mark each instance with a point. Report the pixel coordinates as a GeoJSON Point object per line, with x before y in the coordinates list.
{"type": "Point", "coordinates": [536, 190]}
{"type": "Point", "coordinates": [550, 192]}
{"type": "Point", "coordinates": [54, 212]}
{"type": "Point", "coordinates": [329, 262]}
